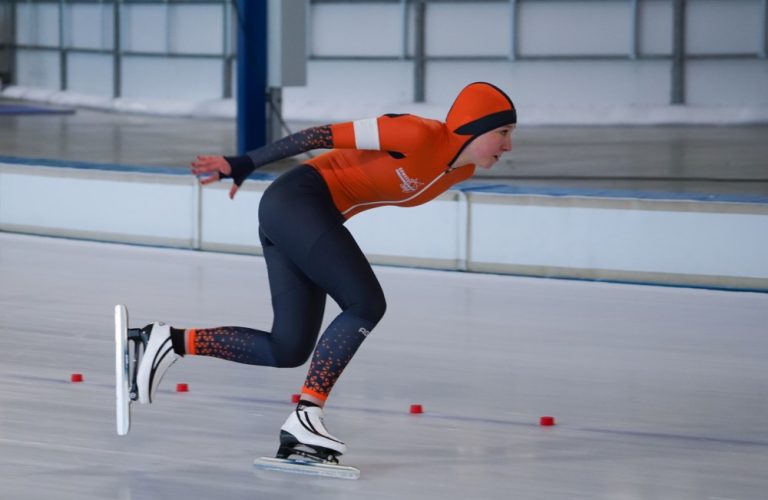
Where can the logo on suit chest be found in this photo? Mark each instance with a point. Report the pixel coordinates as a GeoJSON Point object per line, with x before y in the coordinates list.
{"type": "Point", "coordinates": [407, 185]}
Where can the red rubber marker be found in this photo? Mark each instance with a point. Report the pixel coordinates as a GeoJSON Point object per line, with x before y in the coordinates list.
{"type": "Point", "coordinates": [416, 409]}
{"type": "Point", "coordinates": [76, 377]}
{"type": "Point", "coordinates": [547, 421]}
{"type": "Point", "coordinates": [295, 398]}
{"type": "Point", "coordinates": [182, 388]}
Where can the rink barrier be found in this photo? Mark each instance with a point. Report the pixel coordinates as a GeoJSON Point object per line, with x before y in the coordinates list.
{"type": "Point", "coordinates": [659, 238]}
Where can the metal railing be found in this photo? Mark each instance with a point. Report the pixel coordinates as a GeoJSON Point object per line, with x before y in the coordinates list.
{"type": "Point", "coordinates": [409, 8]}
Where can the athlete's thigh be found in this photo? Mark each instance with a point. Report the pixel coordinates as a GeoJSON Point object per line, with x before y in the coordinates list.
{"type": "Point", "coordinates": [297, 301]}
{"type": "Point", "coordinates": [338, 266]}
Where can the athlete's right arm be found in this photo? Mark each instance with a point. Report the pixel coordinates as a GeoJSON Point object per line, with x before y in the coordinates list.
{"type": "Point", "coordinates": [212, 168]}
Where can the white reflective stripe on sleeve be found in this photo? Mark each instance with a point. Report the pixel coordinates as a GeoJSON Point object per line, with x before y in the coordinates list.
{"type": "Point", "coordinates": [366, 134]}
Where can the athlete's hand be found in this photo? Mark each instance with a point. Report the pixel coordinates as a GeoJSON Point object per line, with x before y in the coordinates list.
{"type": "Point", "coordinates": [208, 169]}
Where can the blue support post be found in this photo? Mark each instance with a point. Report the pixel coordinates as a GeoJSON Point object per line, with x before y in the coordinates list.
{"type": "Point", "coordinates": [251, 75]}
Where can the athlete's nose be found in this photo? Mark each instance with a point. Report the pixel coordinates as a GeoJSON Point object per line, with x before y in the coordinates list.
{"type": "Point", "coordinates": [507, 144]}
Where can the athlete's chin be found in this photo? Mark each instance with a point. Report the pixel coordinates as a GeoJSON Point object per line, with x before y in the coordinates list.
{"type": "Point", "coordinates": [487, 164]}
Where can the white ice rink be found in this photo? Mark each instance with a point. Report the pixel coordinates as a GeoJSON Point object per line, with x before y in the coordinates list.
{"type": "Point", "coordinates": [659, 393]}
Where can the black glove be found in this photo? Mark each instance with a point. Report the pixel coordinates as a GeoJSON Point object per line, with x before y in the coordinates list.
{"type": "Point", "coordinates": [242, 167]}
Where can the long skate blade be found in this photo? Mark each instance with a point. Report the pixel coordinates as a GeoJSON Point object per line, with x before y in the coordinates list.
{"type": "Point", "coordinates": [308, 468]}
{"type": "Point", "coordinates": [123, 401]}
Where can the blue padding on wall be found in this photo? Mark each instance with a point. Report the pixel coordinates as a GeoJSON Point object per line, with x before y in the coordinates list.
{"type": "Point", "coordinates": [470, 186]}
{"type": "Point", "coordinates": [478, 187]}
{"type": "Point", "coordinates": [31, 109]}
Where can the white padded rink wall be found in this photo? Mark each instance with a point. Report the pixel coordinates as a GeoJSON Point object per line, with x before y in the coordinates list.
{"type": "Point", "coordinates": [634, 237]}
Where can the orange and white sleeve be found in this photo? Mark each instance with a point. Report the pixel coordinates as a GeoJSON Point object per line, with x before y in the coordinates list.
{"type": "Point", "coordinates": [385, 133]}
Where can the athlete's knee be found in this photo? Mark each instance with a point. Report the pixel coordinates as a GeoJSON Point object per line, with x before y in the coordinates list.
{"type": "Point", "coordinates": [291, 349]}
{"type": "Point", "coordinates": [370, 308]}
{"type": "Point", "coordinates": [292, 362]}
{"type": "Point", "coordinates": [292, 358]}
{"type": "Point", "coordinates": [379, 308]}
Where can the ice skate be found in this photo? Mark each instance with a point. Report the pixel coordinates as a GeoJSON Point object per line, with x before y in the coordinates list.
{"type": "Point", "coordinates": [304, 435]}
{"type": "Point", "coordinates": [306, 447]}
{"type": "Point", "coordinates": [142, 355]}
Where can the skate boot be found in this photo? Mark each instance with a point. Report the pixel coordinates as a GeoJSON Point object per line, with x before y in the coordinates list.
{"type": "Point", "coordinates": [157, 357]}
{"type": "Point", "coordinates": [304, 437]}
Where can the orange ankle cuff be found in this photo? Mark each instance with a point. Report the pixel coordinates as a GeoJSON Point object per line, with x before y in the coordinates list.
{"type": "Point", "coordinates": [310, 392]}
{"type": "Point", "coordinates": [191, 338]}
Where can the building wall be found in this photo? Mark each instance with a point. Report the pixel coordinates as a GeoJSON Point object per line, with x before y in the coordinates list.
{"type": "Point", "coordinates": [546, 52]}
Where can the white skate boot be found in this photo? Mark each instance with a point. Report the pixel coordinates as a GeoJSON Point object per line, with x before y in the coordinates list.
{"type": "Point", "coordinates": [157, 358]}
{"type": "Point", "coordinates": [304, 436]}
{"type": "Point", "coordinates": [306, 447]}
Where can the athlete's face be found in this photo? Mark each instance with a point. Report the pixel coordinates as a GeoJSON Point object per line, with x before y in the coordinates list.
{"type": "Point", "coordinates": [488, 148]}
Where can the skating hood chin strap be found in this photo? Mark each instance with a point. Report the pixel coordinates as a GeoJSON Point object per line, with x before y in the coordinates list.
{"type": "Point", "coordinates": [479, 108]}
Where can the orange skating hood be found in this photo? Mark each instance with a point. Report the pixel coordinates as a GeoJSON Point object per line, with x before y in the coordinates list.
{"type": "Point", "coordinates": [480, 107]}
